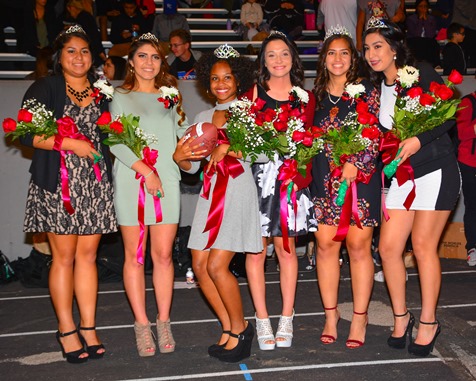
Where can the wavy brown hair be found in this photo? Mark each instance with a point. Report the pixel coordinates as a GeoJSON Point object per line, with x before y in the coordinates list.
{"type": "Point", "coordinates": [322, 77]}
{"type": "Point", "coordinates": [163, 78]}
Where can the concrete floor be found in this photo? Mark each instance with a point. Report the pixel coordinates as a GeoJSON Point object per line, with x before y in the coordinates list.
{"type": "Point", "coordinates": [29, 351]}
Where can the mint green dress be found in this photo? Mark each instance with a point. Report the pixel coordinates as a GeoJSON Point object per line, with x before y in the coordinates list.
{"type": "Point", "coordinates": [163, 123]}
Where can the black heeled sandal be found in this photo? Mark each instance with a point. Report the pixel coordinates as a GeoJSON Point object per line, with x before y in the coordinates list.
{"type": "Point", "coordinates": [425, 350]}
{"type": "Point", "coordinates": [214, 348]}
{"type": "Point", "coordinates": [242, 349]}
{"type": "Point", "coordinates": [401, 342]}
{"type": "Point", "coordinates": [74, 356]}
{"type": "Point", "coordinates": [91, 349]}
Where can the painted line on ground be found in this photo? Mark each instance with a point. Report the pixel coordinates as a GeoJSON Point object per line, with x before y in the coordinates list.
{"type": "Point", "coordinates": [291, 369]}
{"type": "Point", "coordinates": [246, 375]}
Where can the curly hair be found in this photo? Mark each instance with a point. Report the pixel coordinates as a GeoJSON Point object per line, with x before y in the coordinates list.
{"type": "Point", "coordinates": [322, 78]}
{"type": "Point", "coordinates": [243, 70]}
{"type": "Point", "coordinates": [297, 70]}
{"type": "Point", "coordinates": [394, 36]}
{"type": "Point", "coordinates": [61, 40]}
{"type": "Point", "coordinates": [163, 78]}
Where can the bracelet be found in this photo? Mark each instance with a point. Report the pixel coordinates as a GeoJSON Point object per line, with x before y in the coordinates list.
{"type": "Point", "coordinates": [58, 142]}
{"type": "Point", "coordinates": [148, 174]}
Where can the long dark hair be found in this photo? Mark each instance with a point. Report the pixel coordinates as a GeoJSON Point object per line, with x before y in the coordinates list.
{"type": "Point", "coordinates": [119, 67]}
{"type": "Point", "coordinates": [63, 38]}
{"type": "Point", "coordinates": [322, 77]}
{"type": "Point", "coordinates": [394, 36]}
{"type": "Point", "coordinates": [163, 78]}
{"type": "Point", "coordinates": [297, 70]}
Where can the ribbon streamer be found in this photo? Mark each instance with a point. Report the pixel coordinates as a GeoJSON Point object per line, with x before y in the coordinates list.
{"type": "Point", "coordinates": [149, 158]}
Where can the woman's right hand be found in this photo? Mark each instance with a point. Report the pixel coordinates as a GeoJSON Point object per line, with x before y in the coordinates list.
{"type": "Point", "coordinates": [80, 148]}
{"type": "Point", "coordinates": [153, 184]}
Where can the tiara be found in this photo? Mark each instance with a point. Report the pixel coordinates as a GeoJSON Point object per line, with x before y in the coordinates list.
{"type": "Point", "coordinates": [376, 23]}
{"type": "Point", "coordinates": [278, 33]}
{"type": "Point", "coordinates": [75, 29]}
{"type": "Point", "coordinates": [225, 51]}
{"type": "Point", "coordinates": [337, 30]}
{"type": "Point", "coordinates": [149, 36]}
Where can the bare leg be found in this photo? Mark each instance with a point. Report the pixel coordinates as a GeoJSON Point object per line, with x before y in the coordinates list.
{"type": "Point", "coordinates": [288, 273]}
{"type": "Point", "coordinates": [256, 281]}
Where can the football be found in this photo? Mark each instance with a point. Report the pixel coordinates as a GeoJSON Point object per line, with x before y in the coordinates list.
{"type": "Point", "coordinates": [205, 134]}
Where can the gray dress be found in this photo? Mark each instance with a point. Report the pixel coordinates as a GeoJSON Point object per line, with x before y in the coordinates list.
{"type": "Point", "coordinates": [240, 230]}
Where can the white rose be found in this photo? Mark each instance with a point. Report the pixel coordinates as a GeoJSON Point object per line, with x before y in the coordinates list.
{"type": "Point", "coordinates": [408, 76]}
{"type": "Point", "coordinates": [170, 92]}
{"type": "Point", "coordinates": [302, 94]}
{"type": "Point", "coordinates": [354, 90]}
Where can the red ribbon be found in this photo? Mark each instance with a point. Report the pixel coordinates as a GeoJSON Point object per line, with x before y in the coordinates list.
{"type": "Point", "coordinates": [287, 171]}
{"type": "Point", "coordinates": [149, 158]}
{"type": "Point", "coordinates": [227, 167]}
{"type": "Point", "coordinates": [389, 145]}
{"type": "Point", "coordinates": [350, 207]}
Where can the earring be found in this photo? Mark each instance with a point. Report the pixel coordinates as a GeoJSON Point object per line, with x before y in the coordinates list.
{"type": "Point", "coordinates": [210, 96]}
{"type": "Point", "coordinates": [131, 69]}
{"type": "Point", "coordinates": [394, 57]}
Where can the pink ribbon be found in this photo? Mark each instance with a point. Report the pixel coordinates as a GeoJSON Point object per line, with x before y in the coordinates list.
{"type": "Point", "coordinates": [287, 171]}
{"type": "Point", "coordinates": [227, 167]}
{"type": "Point", "coordinates": [149, 158]}
{"type": "Point", "coordinates": [389, 145]}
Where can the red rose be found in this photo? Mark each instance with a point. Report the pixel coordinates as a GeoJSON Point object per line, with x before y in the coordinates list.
{"type": "Point", "coordinates": [66, 127]}
{"type": "Point", "coordinates": [426, 99]}
{"type": "Point", "coordinates": [259, 120]}
{"type": "Point", "coordinates": [372, 119]}
{"type": "Point", "coordinates": [9, 125]}
{"type": "Point", "coordinates": [280, 125]}
{"type": "Point", "coordinates": [316, 131]}
{"type": "Point", "coordinates": [364, 118]}
{"type": "Point", "coordinates": [117, 127]}
{"type": "Point", "coordinates": [298, 136]}
{"type": "Point", "coordinates": [258, 105]}
{"type": "Point", "coordinates": [269, 115]}
{"type": "Point", "coordinates": [434, 87]}
{"type": "Point", "coordinates": [307, 141]}
{"type": "Point", "coordinates": [24, 115]}
{"type": "Point", "coordinates": [361, 107]}
{"type": "Point", "coordinates": [104, 119]}
{"type": "Point", "coordinates": [371, 133]}
{"type": "Point", "coordinates": [455, 77]}
{"type": "Point", "coordinates": [415, 92]}
{"type": "Point", "coordinates": [444, 92]}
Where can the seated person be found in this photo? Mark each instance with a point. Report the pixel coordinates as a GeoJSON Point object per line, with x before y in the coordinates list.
{"type": "Point", "coordinates": [106, 11]}
{"type": "Point", "coordinates": [453, 54]}
{"type": "Point", "coordinates": [124, 28]}
{"type": "Point", "coordinates": [182, 58]}
{"type": "Point", "coordinates": [166, 22]}
{"type": "Point", "coordinates": [286, 16]}
{"type": "Point", "coordinates": [251, 20]}
{"type": "Point", "coordinates": [115, 68]}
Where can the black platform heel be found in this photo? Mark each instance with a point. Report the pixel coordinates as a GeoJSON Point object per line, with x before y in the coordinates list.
{"type": "Point", "coordinates": [242, 349]}
{"type": "Point", "coordinates": [91, 349]}
{"type": "Point", "coordinates": [425, 350]}
{"type": "Point", "coordinates": [401, 342]}
{"type": "Point", "coordinates": [215, 348]}
{"type": "Point", "coordinates": [71, 357]}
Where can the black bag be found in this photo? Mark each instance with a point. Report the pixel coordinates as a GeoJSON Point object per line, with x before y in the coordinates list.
{"type": "Point", "coordinates": [33, 271]}
{"type": "Point", "coordinates": [181, 255]}
{"type": "Point", "coordinates": [7, 274]}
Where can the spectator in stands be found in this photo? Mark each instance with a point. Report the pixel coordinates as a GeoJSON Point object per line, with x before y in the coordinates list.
{"type": "Point", "coordinates": [466, 123]}
{"type": "Point", "coordinates": [453, 54]}
{"type": "Point", "coordinates": [147, 8]}
{"type": "Point", "coordinates": [115, 68]}
{"type": "Point", "coordinates": [251, 20]}
{"type": "Point", "coordinates": [43, 64]}
{"type": "Point", "coordinates": [443, 12]}
{"type": "Point", "coordinates": [77, 14]}
{"type": "Point", "coordinates": [286, 16]}
{"type": "Point", "coordinates": [421, 33]}
{"type": "Point", "coordinates": [464, 13]}
{"type": "Point", "coordinates": [337, 12]}
{"type": "Point", "coordinates": [393, 10]}
{"type": "Point", "coordinates": [125, 28]}
{"type": "Point", "coordinates": [168, 21]}
{"type": "Point", "coordinates": [182, 58]}
{"type": "Point", "coordinates": [106, 11]}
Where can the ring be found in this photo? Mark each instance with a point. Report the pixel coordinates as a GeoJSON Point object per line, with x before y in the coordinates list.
{"type": "Point", "coordinates": [193, 153]}
{"type": "Point", "coordinates": [159, 195]}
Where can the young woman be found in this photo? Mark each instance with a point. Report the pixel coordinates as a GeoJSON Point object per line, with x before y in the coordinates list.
{"type": "Point", "coordinates": [73, 238]}
{"type": "Point", "coordinates": [437, 182]}
{"type": "Point", "coordinates": [139, 95]}
{"type": "Point", "coordinates": [337, 67]}
{"type": "Point", "coordinates": [225, 75]}
{"type": "Point", "coordinates": [115, 68]}
{"type": "Point", "coordinates": [280, 70]}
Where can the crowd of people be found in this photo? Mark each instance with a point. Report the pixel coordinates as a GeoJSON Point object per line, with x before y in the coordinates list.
{"type": "Point", "coordinates": [76, 192]}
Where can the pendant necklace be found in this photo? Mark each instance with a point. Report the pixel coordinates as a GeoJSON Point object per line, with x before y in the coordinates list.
{"type": "Point", "coordinates": [79, 95]}
{"type": "Point", "coordinates": [330, 99]}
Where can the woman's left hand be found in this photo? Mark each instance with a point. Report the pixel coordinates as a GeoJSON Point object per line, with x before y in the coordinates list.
{"type": "Point", "coordinates": [217, 155]}
{"type": "Point", "coordinates": [186, 150]}
{"type": "Point", "coordinates": [349, 173]}
{"type": "Point", "coordinates": [408, 147]}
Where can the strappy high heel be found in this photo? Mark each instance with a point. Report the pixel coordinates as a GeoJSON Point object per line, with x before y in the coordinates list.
{"type": "Point", "coordinates": [145, 339]}
{"type": "Point", "coordinates": [166, 339]}
{"type": "Point", "coordinates": [400, 342]}
{"type": "Point", "coordinates": [91, 349]}
{"type": "Point", "coordinates": [425, 350]}
{"type": "Point", "coordinates": [74, 356]}
{"type": "Point", "coordinates": [265, 334]}
{"type": "Point", "coordinates": [352, 343]}
{"type": "Point", "coordinates": [285, 331]}
{"type": "Point", "coordinates": [214, 348]}
{"type": "Point", "coordinates": [329, 339]}
{"type": "Point", "coordinates": [242, 349]}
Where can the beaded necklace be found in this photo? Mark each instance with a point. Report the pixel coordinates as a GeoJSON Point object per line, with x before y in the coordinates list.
{"type": "Point", "coordinates": [79, 95]}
